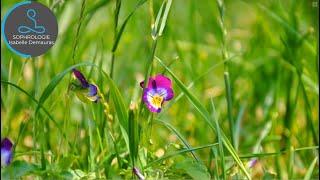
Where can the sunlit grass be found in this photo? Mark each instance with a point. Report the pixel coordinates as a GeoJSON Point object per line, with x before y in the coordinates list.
{"type": "Point", "coordinates": [245, 79]}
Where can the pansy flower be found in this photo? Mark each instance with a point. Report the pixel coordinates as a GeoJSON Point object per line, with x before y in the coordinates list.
{"type": "Point", "coordinates": [84, 90]}
{"type": "Point", "coordinates": [6, 152]}
{"type": "Point", "coordinates": [159, 89]}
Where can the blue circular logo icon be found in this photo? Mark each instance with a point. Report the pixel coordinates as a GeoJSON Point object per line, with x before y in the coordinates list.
{"type": "Point", "coordinates": [29, 29]}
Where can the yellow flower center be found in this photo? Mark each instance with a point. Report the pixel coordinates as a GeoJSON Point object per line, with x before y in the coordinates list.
{"type": "Point", "coordinates": [157, 101]}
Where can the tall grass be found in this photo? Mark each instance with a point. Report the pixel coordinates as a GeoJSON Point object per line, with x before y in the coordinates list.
{"type": "Point", "coordinates": [244, 76]}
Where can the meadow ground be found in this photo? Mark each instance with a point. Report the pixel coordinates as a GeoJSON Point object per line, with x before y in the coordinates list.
{"type": "Point", "coordinates": [244, 76]}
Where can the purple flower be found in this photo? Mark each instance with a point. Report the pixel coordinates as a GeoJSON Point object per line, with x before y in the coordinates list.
{"type": "Point", "coordinates": [6, 152]}
{"type": "Point", "coordinates": [79, 76]}
{"type": "Point", "coordinates": [84, 89]}
{"type": "Point", "coordinates": [252, 163]}
{"type": "Point", "coordinates": [137, 172]}
{"type": "Point", "coordinates": [159, 89]}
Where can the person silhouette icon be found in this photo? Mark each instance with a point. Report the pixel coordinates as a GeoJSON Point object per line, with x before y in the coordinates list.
{"type": "Point", "coordinates": [31, 14]}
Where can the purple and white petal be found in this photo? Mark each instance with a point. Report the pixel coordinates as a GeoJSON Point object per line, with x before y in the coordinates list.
{"type": "Point", "coordinates": [6, 152]}
{"type": "Point", "coordinates": [159, 89]}
{"type": "Point", "coordinates": [147, 98]}
{"type": "Point", "coordinates": [80, 77]}
{"type": "Point", "coordinates": [166, 93]}
{"type": "Point", "coordinates": [93, 90]}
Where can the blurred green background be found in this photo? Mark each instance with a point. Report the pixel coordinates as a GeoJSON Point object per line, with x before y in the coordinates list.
{"type": "Point", "coordinates": [273, 75]}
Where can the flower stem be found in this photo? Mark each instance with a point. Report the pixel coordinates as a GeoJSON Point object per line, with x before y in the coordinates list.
{"type": "Point", "coordinates": [115, 27]}
{"type": "Point", "coordinates": [225, 57]}
{"type": "Point", "coordinates": [149, 68]}
{"type": "Point", "coordinates": [112, 65]}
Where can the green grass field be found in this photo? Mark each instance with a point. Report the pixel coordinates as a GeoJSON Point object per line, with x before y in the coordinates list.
{"type": "Point", "coordinates": [244, 76]}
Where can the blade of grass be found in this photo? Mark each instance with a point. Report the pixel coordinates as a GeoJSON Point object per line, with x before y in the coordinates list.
{"type": "Point", "coordinates": [154, 31]}
{"type": "Point", "coordinates": [310, 169]}
{"type": "Point", "coordinates": [95, 7]}
{"type": "Point", "coordinates": [182, 139]}
{"type": "Point", "coordinates": [179, 153]}
{"type": "Point", "coordinates": [132, 132]}
{"type": "Point", "coordinates": [225, 55]}
{"type": "Point", "coordinates": [283, 23]}
{"type": "Point", "coordinates": [76, 40]}
{"type": "Point", "coordinates": [39, 105]}
{"type": "Point", "coordinates": [54, 82]}
{"type": "Point", "coordinates": [248, 156]}
{"type": "Point", "coordinates": [116, 19]}
{"type": "Point", "coordinates": [115, 94]}
{"type": "Point", "coordinates": [291, 163]}
{"type": "Point", "coordinates": [221, 153]}
{"type": "Point", "coordinates": [123, 25]}
{"type": "Point", "coordinates": [264, 132]}
{"type": "Point", "coordinates": [119, 108]}
{"type": "Point", "coordinates": [229, 105]}
{"type": "Point", "coordinates": [238, 125]}
{"type": "Point", "coordinates": [216, 167]}
{"type": "Point", "coordinates": [165, 17]}
{"type": "Point", "coordinates": [176, 99]}
{"type": "Point", "coordinates": [205, 114]}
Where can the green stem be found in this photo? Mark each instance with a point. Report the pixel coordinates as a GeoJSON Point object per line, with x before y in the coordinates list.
{"type": "Point", "coordinates": [229, 104]}
{"type": "Point", "coordinates": [149, 67]}
{"type": "Point", "coordinates": [308, 113]}
{"type": "Point", "coordinates": [225, 56]}
{"type": "Point", "coordinates": [112, 65]}
{"type": "Point", "coordinates": [75, 44]}
{"type": "Point", "coordinates": [116, 20]}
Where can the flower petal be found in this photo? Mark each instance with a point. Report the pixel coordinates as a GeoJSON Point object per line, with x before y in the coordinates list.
{"type": "Point", "coordinates": [6, 152]}
{"type": "Point", "coordinates": [6, 144]}
{"type": "Point", "coordinates": [93, 90]}
{"type": "Point", "coordinates": [149, 83]}
{"type": "Point", "coordinates": [148, 99]}
{"type": "Point", "coordinates": [142, 84]}
{"type": "Point", "coordinates": [252, 163]}
{"type": "Point", "coordinates": [166, 93]}
{"type": "Point", "coordinates": [6, 157]}
{"type": "Point", "coordinates": [163, 81]}
{"type": "Point", "coordinates": [79, 76]}
{"type": "Point", "coordinates": [158, 81]}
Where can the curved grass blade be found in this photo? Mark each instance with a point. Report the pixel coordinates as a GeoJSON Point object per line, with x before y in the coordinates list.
{"type": "Point", "coordinates": [286, 25]}
{"type": "Point", "coordinates": [221, 153]}
{"type": "Point", "coordinates": [237, 129]}
{"type": "Point", "coordinates": [133, 134]}
{"type": "Point", "coordinates": [310, 169]}
{"type": "Point", "coordinates": [266, 154]}
{"type": "Point", "coordinates": [119, 107]}
{"type": "Point", "coordinates": [205, 114]}
{"type": "Point", "coordinates": [96, 7]}
{"type": "Point", "coordinates": [165, 16]}
{"type": "Point", "coordinates": [39, 105]}
{"type": "Point", "coordinates": [196, 80]}
{"type": "Point", "coordinates": [123, 25]}
{"type": "Point", "coordinates": [182, 139]}
{"type": "Point", "coordinates": [118, 100]}
{"type": "Point", "coordinates": [54, 82]}
{"type": "Point", "coordinates": [179, 153]}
